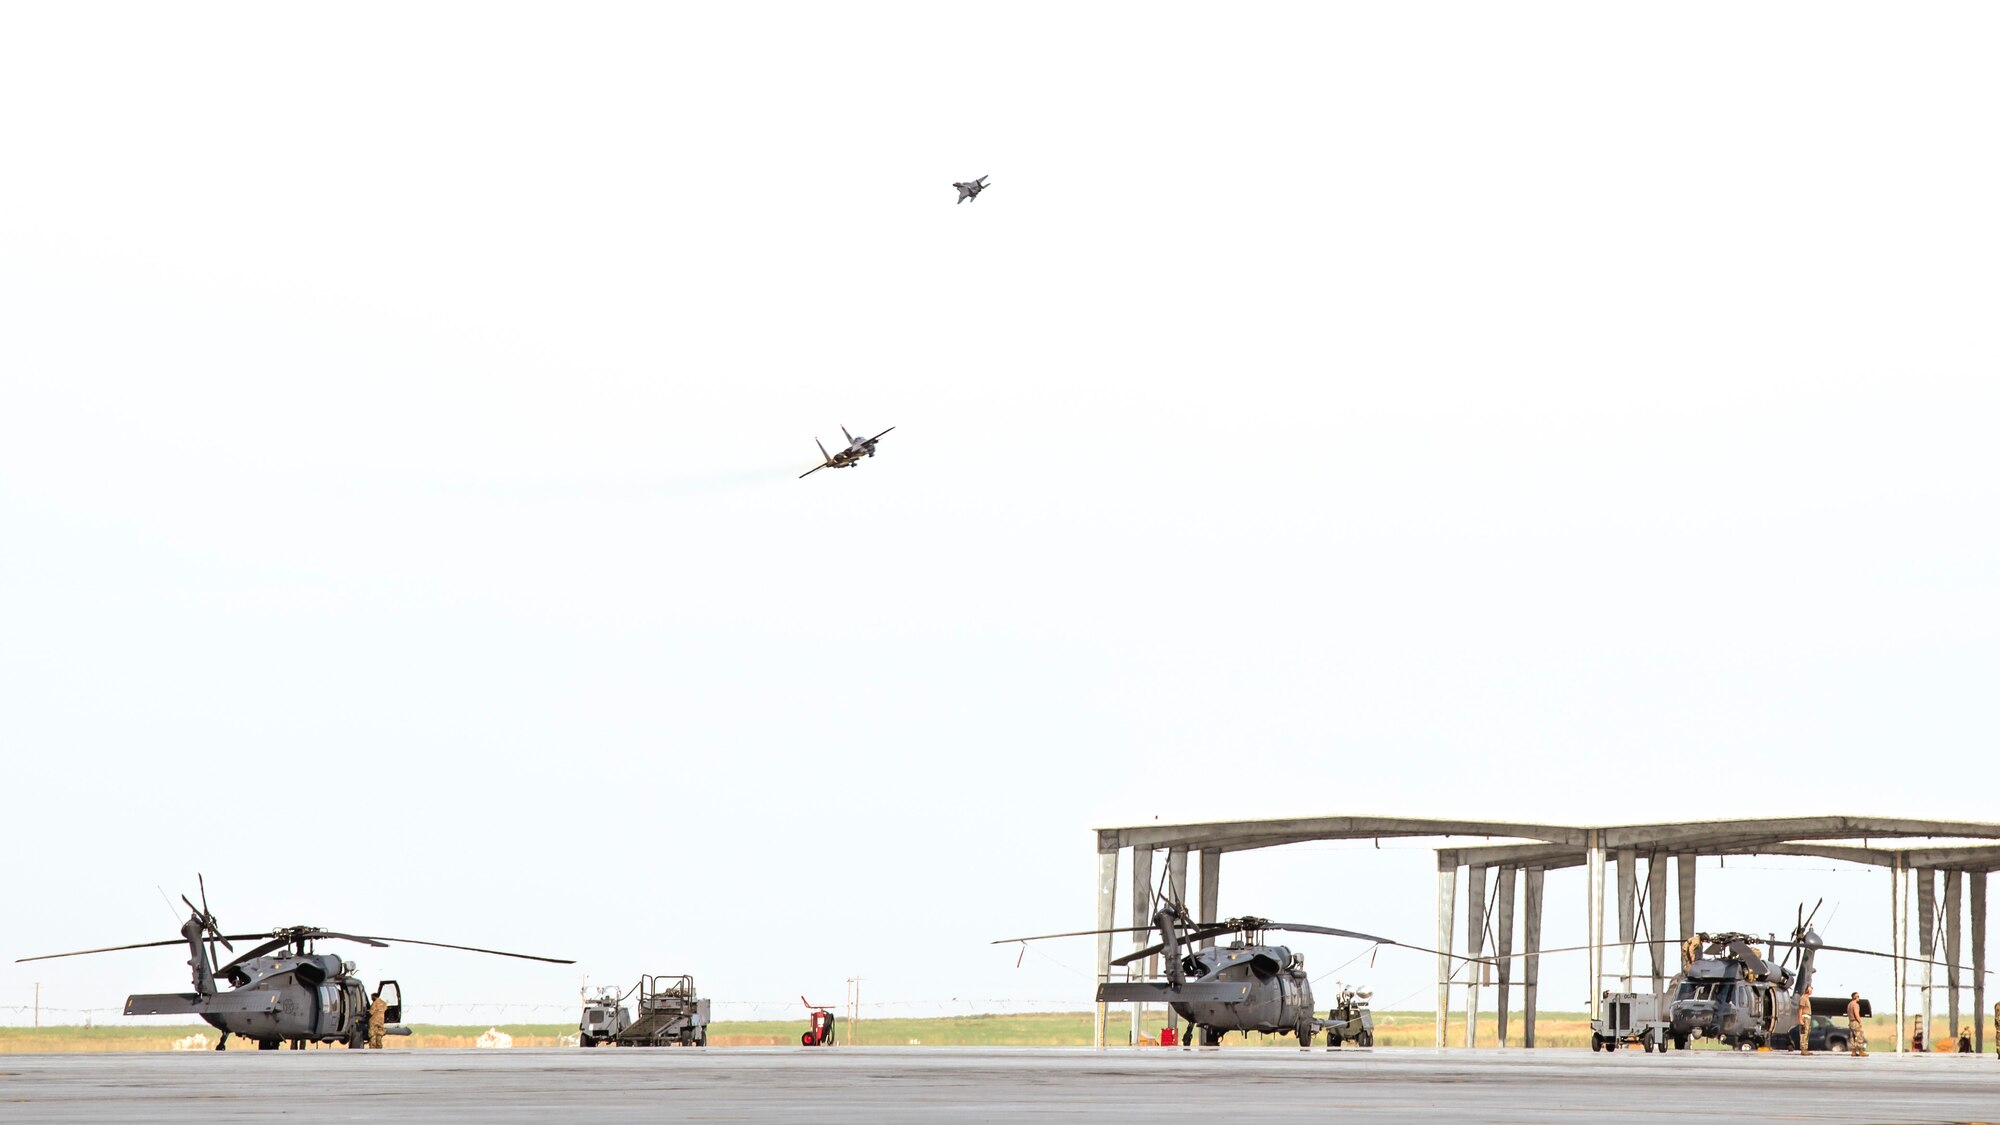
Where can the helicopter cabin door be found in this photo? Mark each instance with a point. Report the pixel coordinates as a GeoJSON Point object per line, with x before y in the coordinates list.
{"type": "Point", "coordinates": [391, 995]}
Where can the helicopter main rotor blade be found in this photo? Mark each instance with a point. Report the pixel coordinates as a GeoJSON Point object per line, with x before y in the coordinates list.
{"type": "Point", "coordinates": [116, 948]}
{"type": "Point", "coordinates": [106, 949]}
{"type": "Point", "coordinates": [448, 945]}
{"type": "Point", "coordinates": [1358, 936]}
{"type": "Point", "coordinates": [279, 941]}
{"type": "Point", "coordinates": [1077, 933]}
{"type": "Point", "coordinates": [257, 951]}
{"type": "Point", "coordinates": [379, 943]}
{"type": "Point", "coordinates": [1876, 953]}
{"type": "Point", "coordinates": [1202, 933]}
{"type": "Point", "coordinates": [1758, 941]}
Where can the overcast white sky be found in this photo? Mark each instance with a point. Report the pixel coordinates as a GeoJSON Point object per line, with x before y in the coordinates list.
{"type": "Point", "coordinates": [1567, 411]}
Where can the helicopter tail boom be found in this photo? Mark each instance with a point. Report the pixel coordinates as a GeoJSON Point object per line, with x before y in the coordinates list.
{"type": "Point", "coordinates": [193, 1003]}
{"type": "Point", "coordinates": [1161, 992]}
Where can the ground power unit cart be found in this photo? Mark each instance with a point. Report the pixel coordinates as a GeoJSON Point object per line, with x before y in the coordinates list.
{"type": "Point", "coordinates": [1631, 1017]}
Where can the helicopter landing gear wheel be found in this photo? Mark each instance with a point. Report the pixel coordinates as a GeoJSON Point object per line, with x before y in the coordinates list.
{"type": "Point", "coordinates": [1333, 1038]}
{"type": "Point", "coordinates": [1681, 1042]}
{"type": "Point", "coordinates": [267, 1044]}
{"type": "Point", "coordinates": [1305, 1036]}
{"type": "Point", "coordinates": [1211, 1037]}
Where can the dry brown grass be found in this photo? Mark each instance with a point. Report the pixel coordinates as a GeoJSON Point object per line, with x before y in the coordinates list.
{"type": "Point", "coordinates": [1046, 1029]}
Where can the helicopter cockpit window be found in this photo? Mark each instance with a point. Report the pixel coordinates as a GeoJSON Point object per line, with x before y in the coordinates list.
{"type": "Point", "coordinates": [1720, 991]}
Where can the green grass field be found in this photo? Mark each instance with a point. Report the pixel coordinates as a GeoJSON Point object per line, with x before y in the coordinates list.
{"type": "Point", "coordinates": [1039, 1029]}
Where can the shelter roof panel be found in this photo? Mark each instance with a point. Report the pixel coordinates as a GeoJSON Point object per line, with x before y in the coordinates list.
{"type": "Point", "coordinates": [1871, 828]}
{"type": "Point", "coordinates": [1543, 844]}
{"type": "Point", "coordinates": [1242, 835]}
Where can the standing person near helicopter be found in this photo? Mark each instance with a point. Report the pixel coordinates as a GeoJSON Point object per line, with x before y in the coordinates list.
{"type": "Point", "coordinates": [1805, 1022]}
{"type": "Point", "coordinates": [1857, 1039]}
{"type": "Point", "coordinates": [378, 1013]}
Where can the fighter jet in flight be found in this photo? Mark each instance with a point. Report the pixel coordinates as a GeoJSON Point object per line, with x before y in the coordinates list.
{"type": "Point", "coordinates": [857, 448]}
{"type": "Point", "coordinates": [971, 190]}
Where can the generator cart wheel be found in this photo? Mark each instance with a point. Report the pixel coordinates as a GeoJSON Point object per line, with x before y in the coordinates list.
{"type": "Point", "coordinates": [1333, 1038]}
{"type": "Point", "coordinates": [1365, 1039]}
{"type": "Point", "coordinates": [1648, 1041]}
{"type": "Point", "coordinates": [1596, 1042]}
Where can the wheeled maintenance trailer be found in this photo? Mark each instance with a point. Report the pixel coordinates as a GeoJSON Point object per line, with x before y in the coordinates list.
{"type": "Point", "coordinates": [1349, 1020]}
{"type": "Point", "coordinates": [668, 1014]}
{"type": "Point", "coordinates": [1631, 1017]}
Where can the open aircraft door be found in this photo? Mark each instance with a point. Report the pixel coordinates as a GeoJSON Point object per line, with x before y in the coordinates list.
{"type": "Point", "coordinates": [391, 995]}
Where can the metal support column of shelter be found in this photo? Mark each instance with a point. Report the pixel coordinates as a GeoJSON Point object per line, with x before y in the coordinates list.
{"type": "Point", "coordinates": [1899, 943]}
{"type": "Point", "coordinates": [1475, 947]}
{"type": "Point", "coordinates": [1628, 896]}
{"type": "Point", "coordinates": [1926, 942]}
{"type": "Point", "coordinates": [1107, 912]}
{"type": "Point", "coordinates": [1142, 917]}
{"type": "Point", "coordinates": [1595, 895]}
{"type": "Point", "coordinates": [1656, 917]}
{"type": "Point", "coordinates": [1954, 881]}
{"type": "Point", "coordinates": [1978, 880]}
{"type": "Point", "coordinates": [1684, 869]}
{"type": "Point", "coordinates": [1447, 900]}
{"type": "Point", "coordinates": [1531, 944]}
{"type": "Point", "coordinates": [1503, 948]}
{"type": "Point", "coordinates": [1211, 887]}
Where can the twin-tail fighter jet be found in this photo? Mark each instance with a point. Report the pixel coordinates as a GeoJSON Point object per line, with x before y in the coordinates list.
{"type": "Point", "coordinates": [857, 448]}
{"type": "Point", "coordinates": [970, 190]}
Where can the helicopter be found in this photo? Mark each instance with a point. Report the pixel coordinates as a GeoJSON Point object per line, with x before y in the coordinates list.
{"type": "Point", "coordinates": [280, 990]}
{"type": "Point", "coordinates": [1247, 985]}
{"type": "Point", "coordinates": [1731, 991]}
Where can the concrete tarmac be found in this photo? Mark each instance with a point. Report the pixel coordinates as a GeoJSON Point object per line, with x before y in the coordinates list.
{"type": "Point", "coordinates": [931, 1084]}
